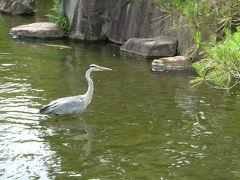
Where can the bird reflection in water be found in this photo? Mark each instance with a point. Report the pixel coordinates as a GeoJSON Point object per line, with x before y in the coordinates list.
{"type": "Point", "coordinates": [88, 136]}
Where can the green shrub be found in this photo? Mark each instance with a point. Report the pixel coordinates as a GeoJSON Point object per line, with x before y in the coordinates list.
{"type": "Point", "coordinates": [59, 18]}
{"type": "Point", "coordinates": [220, 68]}
{"type": "Point", "coordinates": [214, 28]}
{"type": "Point", "coordinates": [202, 18]}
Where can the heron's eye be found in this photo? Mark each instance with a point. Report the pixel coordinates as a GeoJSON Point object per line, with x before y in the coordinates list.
{"type": "Point", "coordinates": [93, 66]}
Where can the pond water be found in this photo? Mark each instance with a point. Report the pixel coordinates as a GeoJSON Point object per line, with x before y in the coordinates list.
{"type": "Point", "coordinates": [139, 125]}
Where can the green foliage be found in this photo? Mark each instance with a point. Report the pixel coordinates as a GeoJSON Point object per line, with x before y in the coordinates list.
{"type": "Point", "coordinates": [59, 18]}
{"type": "Point", "coordinates": [202, 18]}
{"type": "Point", "coordinates": [221, 66]}
{"type": "Point", "coordinates": [211, 25]}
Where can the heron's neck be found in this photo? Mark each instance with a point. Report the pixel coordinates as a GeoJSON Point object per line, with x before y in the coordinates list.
{"type": "Point", "coordinates": [89, 92]}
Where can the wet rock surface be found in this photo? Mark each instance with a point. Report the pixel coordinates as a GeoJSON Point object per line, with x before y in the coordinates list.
{"type": "Point", "coordinates": [17, 7]}
{"type": "Point", "coordinates": [42, 30]}
{"type": "Point", "coordinates": [116, 21]}
{"type": "Point", "coordinates": [151, 47]}
{"type": "Point", "coordinates": [171, 63]}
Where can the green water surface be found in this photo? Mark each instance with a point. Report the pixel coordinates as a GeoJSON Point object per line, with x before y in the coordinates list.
{"type": "Point", "coordinates": [139, 125]}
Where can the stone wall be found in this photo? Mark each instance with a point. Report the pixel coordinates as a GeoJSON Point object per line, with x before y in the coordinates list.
{"type": "Point", "coordinates": [17, 7]}
{"type": "Point", "coordinates": [115, 20]}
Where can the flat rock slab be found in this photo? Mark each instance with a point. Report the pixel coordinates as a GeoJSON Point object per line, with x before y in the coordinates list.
{"type": "Point", "coordinates": [151, 47]}
{"type": "Point", "coordinates": [171, 63]}
{"type": "Point", "coordinates": [17, 7]}
{"type": "Point", "coordinates": [42, 30]}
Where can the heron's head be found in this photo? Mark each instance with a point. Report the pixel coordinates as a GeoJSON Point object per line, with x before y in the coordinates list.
{"type": "Point", "coordinates": [95, 67]}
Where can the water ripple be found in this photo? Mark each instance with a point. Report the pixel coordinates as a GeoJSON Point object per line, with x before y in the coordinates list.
{"type": "Point", "coordinates": [23, 154]}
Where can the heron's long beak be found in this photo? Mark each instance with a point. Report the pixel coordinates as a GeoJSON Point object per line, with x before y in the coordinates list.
{"type": "Point", "coordinates": [104, 69]}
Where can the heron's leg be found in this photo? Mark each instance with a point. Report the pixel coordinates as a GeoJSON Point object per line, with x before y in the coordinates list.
{"type": "Point", "coordinates": [80, 116]}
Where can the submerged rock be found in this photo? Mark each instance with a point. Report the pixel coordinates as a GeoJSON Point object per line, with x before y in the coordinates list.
{"type": "Point", "coordinates": [17, 7]}
{"type": "Point", "coordinates": [171, 63]}
{"type": "Point", "coordinates": [42, 30]}
{"type": "Point", "coordinates": [151, 47]}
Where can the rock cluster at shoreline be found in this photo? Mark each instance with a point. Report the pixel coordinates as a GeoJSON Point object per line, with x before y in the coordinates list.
{"type": "Point", "coordinates": [149, 47]}
{"type": "Point", "coordinates": [118, 21]}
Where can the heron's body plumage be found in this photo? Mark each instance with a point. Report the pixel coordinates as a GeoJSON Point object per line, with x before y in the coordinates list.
{"type": "Point", "coordinates": [67, 105]}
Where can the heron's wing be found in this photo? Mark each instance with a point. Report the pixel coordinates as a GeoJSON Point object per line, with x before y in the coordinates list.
{"type": "Point", "coordinates": [67, 105]}
{"type": "Point", "coordinates": [52, 103]}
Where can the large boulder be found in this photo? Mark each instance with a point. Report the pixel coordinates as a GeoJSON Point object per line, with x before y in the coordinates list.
{"type": "Point", "coordinates": [42, 30]}
{"type": "Point", "coordinates": [151, 47]}
{"type": "Point", "coordinates": [114, 20]}
{"type": "Point", "coordinates": [17, 7]}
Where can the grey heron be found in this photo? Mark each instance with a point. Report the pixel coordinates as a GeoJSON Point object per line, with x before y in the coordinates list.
{"type": "Point", "coordinates": [74, 104]}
